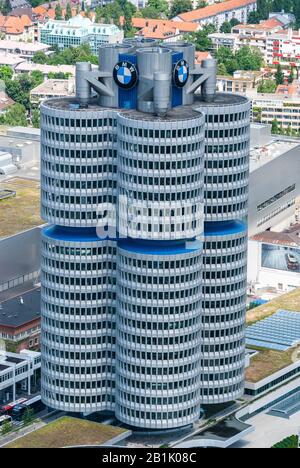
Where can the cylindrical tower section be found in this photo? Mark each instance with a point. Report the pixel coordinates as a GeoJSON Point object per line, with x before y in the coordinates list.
{"type": "Point", "coordinates": [226, 180]}
{"type": "Point", "coordinates": [78, 166]}
{"type": "Point", "coordinates": [160, 178]}
{"type": "Point", "coordinates": [226, 166]}
{"type": "Point", "coordinates": [78, 320]}
{"type": "Point", "coordinates": [223, 312]}
{"type": "Point", "coordinates": [158, 333]}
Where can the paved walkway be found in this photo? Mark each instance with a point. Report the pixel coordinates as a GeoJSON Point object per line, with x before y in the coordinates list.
{"type": "Point", "coordinates": [269, 430]}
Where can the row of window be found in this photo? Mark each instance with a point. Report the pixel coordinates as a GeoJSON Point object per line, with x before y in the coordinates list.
{"type": "Point", "coordinates": [161, 133]}
{"type": "Point", "coordinates": [226, 117]}
{"type": "Point", "coordinates": [87, 124]}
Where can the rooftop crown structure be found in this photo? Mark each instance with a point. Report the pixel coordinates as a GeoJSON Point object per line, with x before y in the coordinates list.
{"type": "Point", "coordinates": [145, 187]}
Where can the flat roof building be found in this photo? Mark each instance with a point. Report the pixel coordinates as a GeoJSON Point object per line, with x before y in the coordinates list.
{"type": "Point", "coordinates": [52, 89]}
{"type": "Point", "coordinates": [20, 318]}
{"type": "Point", "coordinates": [19, 374]}
{"type": "Point", "coordinates": [77, 31]}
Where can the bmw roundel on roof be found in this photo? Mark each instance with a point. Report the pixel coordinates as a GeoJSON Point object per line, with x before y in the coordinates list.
{"type": "Point", "coordinates": [180, 73]}
{"type": "Point", "coordinates": [125, 74]}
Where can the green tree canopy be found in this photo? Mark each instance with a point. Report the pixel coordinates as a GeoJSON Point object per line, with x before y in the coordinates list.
{"type": "Point", "coordinates": [15, 115]}
{"type": "Point", "coordinates": [58, 12]}
{"type": "Point", "coordinates": [180, 6]}
{"type": "Point", "coordinates": [267, 86]}
{"type": "Point", "coordinates": [161, 6]}
{"type": "Point", "coordinates": [279, 76]}
{"type": "Point", "coordinates": [68, 14]}
{"type": "Point", "coordinates": [6, 73]}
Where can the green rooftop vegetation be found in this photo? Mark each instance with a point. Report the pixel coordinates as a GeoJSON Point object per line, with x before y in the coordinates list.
{"type": "Point", "coordinates": [268, 361]}
{"type": "Point", "coordinates": [21, 212]}
{"type": "Point", "coordinates": [289, 442]}
{"type": "Point", "coordinates": [67, 431]}
{"type": "Point", "coordinates": [289, 301]}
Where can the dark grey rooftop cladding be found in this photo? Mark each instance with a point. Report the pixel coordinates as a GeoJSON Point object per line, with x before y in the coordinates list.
{"type": "Point", "coordinates": [21, 309]}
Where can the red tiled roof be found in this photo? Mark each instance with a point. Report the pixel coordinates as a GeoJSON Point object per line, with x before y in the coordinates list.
{"type": "Point", "coordinates": [199, 56]}
{"type": "Point", "coordinates": [14, 24]}
{"type": "Point", "coordinates": [213, 10]}
{"type": "Point", "coordinates": [161, 24]}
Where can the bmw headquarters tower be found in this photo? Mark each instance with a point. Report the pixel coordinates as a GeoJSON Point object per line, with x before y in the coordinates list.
{"type": "Point", "coordinates": [145, 189]}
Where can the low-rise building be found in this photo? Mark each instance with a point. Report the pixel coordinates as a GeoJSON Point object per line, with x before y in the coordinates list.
{"type": "Point", "coordinates": [26, 67]}
{"type": "Point", "coordinates": [274, 184]}
{"type": "Point", "coordinates": [241, 82]}
{"type": "Point", "coordinates": [77, 31]}
{"type": "Point", "coordinates": [274, 259]}
{"type": "Point", "coordinates": [219, 39]}
{"type": "Point", "coordinates": [164, 30]}
{"type": "Point", "coordinates": [19, 374]}
{"type": "Point", "coordinates": [220, 12]}
{"type": "Point", "coordinates": [270, 107]}
{"type": "Point", "coordinates": [256, 35]}
{"type": "Point", "coordinates": [24, 50]}
{"type": "Point", "coordinates": [19, 28]}
{"type": "Point", "coordinates": [283, 48]}
{"type": "Point", "coordinates": [52, 89]}
{"type": "Point", "coordinates": [20, 321]}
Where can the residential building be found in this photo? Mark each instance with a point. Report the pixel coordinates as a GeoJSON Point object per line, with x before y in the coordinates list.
{"type": "Point", "coordinates": [25, 50]}
{"type": "Point", "coordinates": [17, 28]}
{"type": "Point", "coordinates": [284, 48]}
{"type": "Point", "coordinates": [19, 374]}
{"type": "Point", "coordinates": [145, 296]}
{"type": "Point", "coordinates": [20, 321]}
{"type": "Point", "coordinates": [163, 29]}
{"type": "Point", "coordinates": [218, 13]}
{"type": "Point", "coordinates": [52, 89]}
{"type": "Point", "coordinates": [229, 40]}
{"type": "Point", "coordinates": [46, 70]}
{"type": "Point", "coordinates": [241, 82]}
{"type": "Point", "coordinates": [77, 31]}
{"type": "Point", "coordinates": [285, 109]}
{"type": "Point", "coordinates": [256, 35]}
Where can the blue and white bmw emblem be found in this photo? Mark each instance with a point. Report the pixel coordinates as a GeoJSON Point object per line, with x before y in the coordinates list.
{"type": "Point", "coordinates": [181, 73]}
{"type": "Point", "coordinates": [125, 74]}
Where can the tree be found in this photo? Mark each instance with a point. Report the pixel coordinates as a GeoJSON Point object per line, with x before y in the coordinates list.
{"type": "Point", "coordinates": [149, 12]}
{"type": "Point", "coordinates": [202, 4]}
{"type": "Point", "coordinates": [180, 6]}
{"type": "Point", "coordinates": [6, 73]}
{"type": "Point", "coordinates": [201, 40]}
{"type": "Point", "coordinates": [249, 59]}
{"type": "Point", "coordinates": [5, 7]}
{"type": "Point", "coordinates": [161, 6]}
{"type": "Point", "coordinates": [68, 14]}
{"type": "Point", "coordinates": [225, 56]}
{"type": "Point", "coordinates": [35, 118]}
{"type": "Point", "coordinates": [267, 86]}
{"type": "Point", "coordinates": [275, 127]}
{"type": "Point", "coordinates": [28, 416]}
{"type": "Point", "coordinates": [226, 27]}
{"type": "Point", "coordinates": [15, 116]}
{"type": "Point", "coordinates": [6, 427]}
{"type": "Point", "coordinates": [279, 76]}
{"type": "Point", "coordinates": [253, 17]}
{"type": "Point", "coordinates": [40, 57]}
{"type": "Point", "coordinates": [58, 12]}
{"type": "Point", "coordinates": [37, 78]}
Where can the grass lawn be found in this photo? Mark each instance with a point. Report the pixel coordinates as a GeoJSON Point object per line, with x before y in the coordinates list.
{"type": "Point", "coordinates": [23, 211]}
{"type": "Point", "coordinates": [289, 301]}
{"type": "Point", "coordinates": [67, 431]}
{"type": "Point", "coordinates": [266, 362]}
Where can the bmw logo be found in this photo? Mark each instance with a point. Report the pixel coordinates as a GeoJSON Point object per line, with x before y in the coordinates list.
{"type": "Point", "coordinates": [181, 73]}
{"type": "Point", "coordinates": [125, 75]}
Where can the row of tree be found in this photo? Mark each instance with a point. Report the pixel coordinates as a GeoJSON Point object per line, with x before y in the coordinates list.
{"type": "Point", "coordinates": [264, 7]}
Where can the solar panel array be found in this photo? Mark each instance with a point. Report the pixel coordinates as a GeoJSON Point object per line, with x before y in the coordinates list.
{"type": "Point", "coordinates": [280, 332]}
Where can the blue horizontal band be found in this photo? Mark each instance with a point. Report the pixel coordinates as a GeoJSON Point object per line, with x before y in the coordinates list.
{"type": "Point", "coordinates": [224, 228]}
